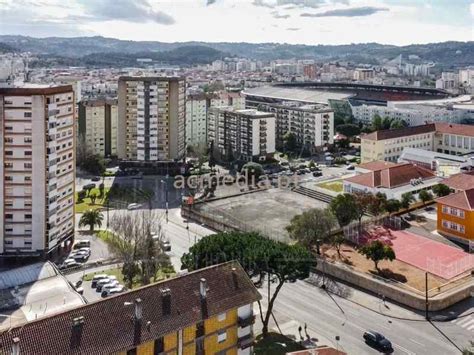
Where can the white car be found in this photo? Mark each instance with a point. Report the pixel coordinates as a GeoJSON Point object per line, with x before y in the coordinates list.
{"type": "Point", "coordinates": [118, 289]}
{"type": "Point", "coordinates": [96, 279]}
{"type": "Point", "coordinates": [133, 206]}
{"type": "Point", "coordinates": [103, 282]}
{"type": "Point", "coordinates": [86, 250]}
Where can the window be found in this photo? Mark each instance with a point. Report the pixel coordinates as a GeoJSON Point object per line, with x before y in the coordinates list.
{"type": "Point", "coordinates": [27, 152]}
{"type": "Point", "coordinates": [27, 114]}
{"type": "Point", "coordinates": [159, 346]}
{"type": "Point", "coordinates": [131, 351]}
{"type": "Point", "coordinates": [221, 317]}
{"type": "Point", "coordinates": [221, 336]}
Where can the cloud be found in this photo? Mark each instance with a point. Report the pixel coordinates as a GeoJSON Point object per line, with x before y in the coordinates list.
{"type": "Point", "coordinates": [125, 10]}
{"type": "Point", "coordinates": [210, 2]}
{"type": "Point", "coordinates": [293, 29]}
{"type": "Point", "coordinates": [291, 4]}
{"type": "Point", "coordinates": [349, 12]}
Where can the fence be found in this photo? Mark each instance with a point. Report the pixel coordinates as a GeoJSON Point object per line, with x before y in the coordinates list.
{"type": "Point", "coordinates": [358, 235]}
{"type": "Point", "coordinates": [220, 216]}
{"type": "Point", "coordinates": [451, 269]}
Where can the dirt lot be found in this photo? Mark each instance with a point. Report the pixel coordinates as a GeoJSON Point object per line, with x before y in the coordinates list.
{"type": "Point", "coordinates": [395, 270]}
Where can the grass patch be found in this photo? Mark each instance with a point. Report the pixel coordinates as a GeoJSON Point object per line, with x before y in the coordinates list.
{"type": "Point", "coordinates": [87, 203]}
{"type": "Point", "coordinates": [335, 185]}
{"type": "Point", "coordinates": [275, 344]}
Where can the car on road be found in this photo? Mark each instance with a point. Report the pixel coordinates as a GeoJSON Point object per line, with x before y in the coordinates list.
{"type": "Point", "coordinates": [350, 167]}
{"type": "Point", "coordinates": [103, 282]}
{"type": "Point", "coordinates": [82, 244]}
{"type": "Point", "coordinates": [133, 206]}
{"type": "Point", "coordinates": [377, 341]}
{"type": "Point", "coordinates": [166, 245]}
{"type": "Point", "coordinates": [80, 256]}
{"type": "Point", "coordinates": [98, 277]}
{"type": "Point", "coordinates": [96, 178]}
{"type": "Point", "coordinates": [69, 263]}
{"type": "Point", "coordinates": [112, 291]}
{"type": "Point", "coordinates": [317, 174]}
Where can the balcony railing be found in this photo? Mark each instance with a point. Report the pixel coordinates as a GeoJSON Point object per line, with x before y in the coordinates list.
{"type": "Point", "coordinates": [246, 341]}
{"type": "Point", "coordinates": [246, 321]}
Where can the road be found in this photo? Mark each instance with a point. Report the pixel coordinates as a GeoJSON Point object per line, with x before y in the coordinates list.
{"type": "Point", "coordinates": [328, 316]}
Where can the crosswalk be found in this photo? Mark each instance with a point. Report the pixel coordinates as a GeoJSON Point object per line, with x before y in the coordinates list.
{"type": "Point", "coordinates": [465, 322]}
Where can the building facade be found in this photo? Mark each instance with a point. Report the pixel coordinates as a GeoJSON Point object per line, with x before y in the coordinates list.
{"type": "Point", "coordinates": [151, 118]}
{"type": "Point", "coordinates": [247, 135]}
{"type": "Point", "coordinates": [456, 216]}
{"type": "Point", "coordinates": [38, 169]}
{"type": "Point", "coordinates": [208, 311]}
{"type": "Point", "coordinates": [97, 126]}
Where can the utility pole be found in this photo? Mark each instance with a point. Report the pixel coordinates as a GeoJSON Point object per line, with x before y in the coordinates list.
{"type": "Point", "coordinates": [426, 296]}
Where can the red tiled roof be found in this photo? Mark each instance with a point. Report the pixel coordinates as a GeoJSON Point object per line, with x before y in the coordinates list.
{"type": "Point", "coordinates": [391, 177]}
{"type": "Point", "coordinates": [399, 132]}
{"type": "Point", "coordinates": [461, 181]}
{"type": "Point", "coordinates": [109, 325]}
{"type": "Point", "coordinates": [376, 165]}
{"type": "Point", "coordinates": [454, 128]}
{"type": "Point", "coordinates": [463, 200]}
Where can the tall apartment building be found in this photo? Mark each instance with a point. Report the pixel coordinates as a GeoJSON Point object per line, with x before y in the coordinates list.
{"type": "Point", "coordinates": [38, 170]}
{"type": "Point", "coordinates": [313, 125]}
{"type": "Point", "coordinates": [447, 138]}
{"type": "Point", "coordinates": [247, 135]}
{"type": "Point", "coordinates": [151, 118]}
{"type": "Point", "coordinates": [208, 311]}
{"type": "Point", "coordinates": [97, 126]}
{"type": "Point", "coordinates": [197, 107]}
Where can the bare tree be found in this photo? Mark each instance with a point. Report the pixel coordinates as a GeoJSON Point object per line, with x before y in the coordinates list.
{"type": "Point", "coordinates": [137, 240]}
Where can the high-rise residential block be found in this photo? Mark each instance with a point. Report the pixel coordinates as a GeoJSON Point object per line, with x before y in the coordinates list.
{"type": "Point", "coordinates": [97, 128]}
{"type": "Point", "coordinates": [38, 169]}
{"type": "Point", "coordinates": [151, 118]}
{"type": "Point", "coordinates": [247, 135]}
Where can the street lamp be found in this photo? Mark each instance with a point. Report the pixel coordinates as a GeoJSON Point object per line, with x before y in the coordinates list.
{"type": "Point", "coordinates": [166, 196]}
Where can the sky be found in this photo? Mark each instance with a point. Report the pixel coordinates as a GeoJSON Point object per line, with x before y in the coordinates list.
{"type": "Point", "coordinates": [398, 22]}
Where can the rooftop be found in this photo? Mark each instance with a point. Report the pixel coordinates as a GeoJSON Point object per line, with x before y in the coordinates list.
{"type": "Point", "coordinates": [108, 326]}
{"type": "Point", "coordinates": [399, 132]}
{"type": "Point", "coordinates": [392, 177]}
{"type": "Point", "coordinates": [376, 165]}
{"type": "Point", "coordinates": [35, 89]}
{"type": "Point", "coordinates": [463, 200]}
{"type": "Point", "coordinates": [462, 181]}
{"type": "Point", "coordinates": [453, 128]}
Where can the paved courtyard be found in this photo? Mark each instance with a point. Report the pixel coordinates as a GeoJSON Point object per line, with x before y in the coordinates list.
{"type": "Point", "coordinates": [268, 211]}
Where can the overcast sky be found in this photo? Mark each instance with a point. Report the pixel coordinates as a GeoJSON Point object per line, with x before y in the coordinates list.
{"type": "Point", "coordinates": [292, 21]}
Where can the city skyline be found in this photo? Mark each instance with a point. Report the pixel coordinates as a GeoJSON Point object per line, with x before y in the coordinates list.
{"type": "Point", "coordinates": [283, 21]}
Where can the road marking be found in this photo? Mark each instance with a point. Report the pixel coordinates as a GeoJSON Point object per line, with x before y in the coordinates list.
{"type": "Point", "coordinates": [466, 323]}
{"type": "Point", "coordinates": [417, 342]}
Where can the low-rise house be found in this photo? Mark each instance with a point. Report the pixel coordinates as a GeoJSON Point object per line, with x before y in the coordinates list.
{"type": "Point", "coordinates": [460, 182]}
{"type": "Point", "coordinates": [373, 166]}
{"type": "Point", "coordinates": [393, 181]}
{"type": "Point", "coordinates": [456, 216]}
{"type": "Point", "coordinates": [209, 311]}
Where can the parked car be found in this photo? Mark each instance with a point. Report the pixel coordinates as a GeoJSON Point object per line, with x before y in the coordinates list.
{"type": "Point", "coordinates": [108, 286]}
{"type": "Point", "coordinates": [103, 282]}
{"type": "Point", "coordinates": [82, 244]}
{"type": "Point", "coordinates": [80, 290]}
{"type": "Point", "coordinates": [68, 264]}
{"type": "Point", "coordinates": [98, 277]}
{"type": "Point", "coordinates": [350, 167]}
{"type": "Point", "coordinates": [86, 250]}
{"type": "Point", "coordinates": [377, 341]}
{"type": "Point", "coordinates": [317, 174]}
{"type": "Point", "coordinates": [166, 245]}
{"type": "Point", "coordinates": [80, 257]}
{"type": "Point", "coordinates": [118, 289]}
{"type": "Point", "coordinates": [133, 206]}
{"type": "Point", "coordinates": [95, 178]}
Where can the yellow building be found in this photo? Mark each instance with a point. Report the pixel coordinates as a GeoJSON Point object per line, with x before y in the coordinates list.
{"type": "Point", "coordinates": [209, 311]}
{"type": "Point", "coordinates": [456, 216]}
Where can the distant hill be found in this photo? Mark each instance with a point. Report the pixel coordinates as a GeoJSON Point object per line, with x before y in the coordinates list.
{"type": "Point", "coordinates": [97, 49]}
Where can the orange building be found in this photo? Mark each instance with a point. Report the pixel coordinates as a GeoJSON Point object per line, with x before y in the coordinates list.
{"type": "Point", "coordinates": [456, 215]}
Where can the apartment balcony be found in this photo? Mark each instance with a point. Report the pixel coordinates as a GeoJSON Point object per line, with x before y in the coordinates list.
{"type": "Point", "coordinates": [245, 341]}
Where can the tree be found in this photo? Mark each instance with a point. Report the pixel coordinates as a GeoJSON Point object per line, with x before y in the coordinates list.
{"type": "Point", "coordinates": [137, 241]}
{"type": "Point", "coordinates": [312, 225]}
{"type": "Point", "coordinates": [101, 190]}
{"type": "Point", "coordinates": [349, 129]}
{"type": "Point", "coordinates": [377, 251]}
{"type": "Point", "coordinates": [337, 241]}
{"type": "Point", "coordinates": [386, 122]}
{"type": "Point", "coordinates": [81, 195]}
{"type": "Point", "coordinates": [469, 350]}
{"type": "Point", "coordinates": [392, 205]}
{"type": "Point", "coordinates": [311, 164]}
{"type": "Point", "coordinates": [93, 196]}
{"type": "Point", "coordinates": [407, 199]}
{"type": "Point", "coordinates": [397, 123]}
{"type": "Point", "coordinates": [377, 204]}
{"type": "Point", "coordinates": [254, 171]}
{"type": "Point", "coordinates": [289, 141]}
{"type": "Point", "coordinates": [377, 123]}
{"type": "Point", "coordinates": [363, 201]}
{"type": "Point", "coordinates": [425, 196]}
{"type": "Point", "coordinates": [441, 190]}
{"type": "Point", "coordinates": [259, 256]}
{"type": "Point", "coordinates": [91, 218]}
{"type": "Point", "coordinates": [343, 206]}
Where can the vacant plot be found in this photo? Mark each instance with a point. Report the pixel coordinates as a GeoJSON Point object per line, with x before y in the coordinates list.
{"type": "Point", "coordinates": [334, 185]}
{"type": "Point", "coordinates": [396, 270]}
{"type": "Point", "coordinates": [268, 211]}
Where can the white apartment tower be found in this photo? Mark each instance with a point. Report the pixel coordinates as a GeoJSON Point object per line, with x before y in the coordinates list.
{"type": "Point", "coordinates": [37, 125]}
{"type": "Point", "coordinates": [247, 135]}
{"type": "Point", "coordinates": [151, 118]}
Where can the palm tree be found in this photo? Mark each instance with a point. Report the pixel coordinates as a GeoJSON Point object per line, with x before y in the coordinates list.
{"type": "Point", "coordinates": [91, 218]}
